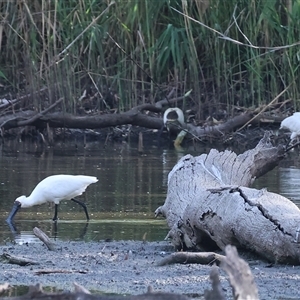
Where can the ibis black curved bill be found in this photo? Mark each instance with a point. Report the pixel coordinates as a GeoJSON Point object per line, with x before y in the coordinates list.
{"type": "Point", "coordinates": [16, 207]}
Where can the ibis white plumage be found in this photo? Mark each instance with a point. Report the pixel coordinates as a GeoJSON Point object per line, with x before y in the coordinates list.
{"type": "Point", "coordinates": [54, 189]}
{"type": "Point", "coordinates": [292, 124]}
{"type": "Point", "coordinates": [175, 116]}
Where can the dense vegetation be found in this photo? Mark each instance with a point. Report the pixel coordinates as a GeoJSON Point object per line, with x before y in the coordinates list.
{"type": "Point", "coordinates": [130, 52]}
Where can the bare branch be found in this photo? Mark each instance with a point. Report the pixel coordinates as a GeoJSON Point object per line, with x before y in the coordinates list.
{"type": "Point", "coordinates": [222, 36]}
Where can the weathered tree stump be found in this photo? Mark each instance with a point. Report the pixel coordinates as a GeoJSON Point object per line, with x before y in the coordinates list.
{"type": "Point", "coordinates": [209, 204]}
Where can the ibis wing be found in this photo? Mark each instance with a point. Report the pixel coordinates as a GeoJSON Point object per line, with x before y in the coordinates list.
{"type": "Point", "coordinates": [62, 187]}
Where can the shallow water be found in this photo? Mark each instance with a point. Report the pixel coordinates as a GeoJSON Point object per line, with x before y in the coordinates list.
{"type": "Point", "coordinates": [121, 205]}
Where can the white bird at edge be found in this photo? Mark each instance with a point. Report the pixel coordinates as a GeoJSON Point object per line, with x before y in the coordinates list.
{"type": "Point", "coordinates": [173, 115]}
{"type": "Point", "coordinates": [54, 189]}
{"type": "Point", "coordinates": [292, 124]}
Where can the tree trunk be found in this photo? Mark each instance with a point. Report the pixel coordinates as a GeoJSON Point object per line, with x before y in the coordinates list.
{"type": "Point", "coordinates": [209, 203]}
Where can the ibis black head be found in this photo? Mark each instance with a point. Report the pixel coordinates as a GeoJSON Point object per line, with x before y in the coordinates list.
{"type": "Point", "coordinates": [16, 207]}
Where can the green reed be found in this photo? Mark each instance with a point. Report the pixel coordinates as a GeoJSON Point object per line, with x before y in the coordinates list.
{"type": "Point", "coordinates": [138, 50]}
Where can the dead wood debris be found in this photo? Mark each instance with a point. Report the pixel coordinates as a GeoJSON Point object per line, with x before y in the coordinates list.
{"type": "Point", "coordinates": [240, 277]}
{"type": "Point", "coordinates": [59, 271]}
{"type": "Point", "coordinates": [36, 292]}
{"type": "Point", "coordinates": [145, 115]}
{"type": "Point", "coordinates": [21, 261]}
{"type": "Point", "coordinates": [44, 238]}
{"type": "Point", "coordinates": [217, 291]}
{"type": "Point", "coordinates": [203, 258]}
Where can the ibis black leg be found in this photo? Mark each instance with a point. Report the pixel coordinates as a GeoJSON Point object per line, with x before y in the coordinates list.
{"type": "Point", "coordinates": [55, 213]}
{"type": "Point", "coordinates": [83, 206]}
{"type": "Point", "coordinates": [54, 230]}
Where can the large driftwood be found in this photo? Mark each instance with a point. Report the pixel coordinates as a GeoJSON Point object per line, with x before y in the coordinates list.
{"type": "Point", "coordinates": [209, 203]}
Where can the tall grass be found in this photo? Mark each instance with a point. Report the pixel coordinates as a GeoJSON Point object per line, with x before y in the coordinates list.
{"type": "Point", "coordinates": [136, 50]}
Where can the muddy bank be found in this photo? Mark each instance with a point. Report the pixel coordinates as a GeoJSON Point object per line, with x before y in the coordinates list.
{"type": "Point", "coordinates": [129, 267]}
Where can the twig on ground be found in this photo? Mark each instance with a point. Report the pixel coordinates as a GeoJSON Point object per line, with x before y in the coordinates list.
{"type": "Point", "coordinates": [44, 238]}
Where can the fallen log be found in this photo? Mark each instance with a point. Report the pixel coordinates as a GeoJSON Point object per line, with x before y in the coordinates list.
{"type": "Point", "coordinates": [134, 117]}
{"type": "Point", "coordinates": [205, 258]}
{"type": "Point", "coordinates": [137, 116]}
{"type": "Point", "coordinates": [217, 131]}
{"type": "Point", "coordinates": [17, 260]}
{"type": "Point", "coordinates": [209, 205]}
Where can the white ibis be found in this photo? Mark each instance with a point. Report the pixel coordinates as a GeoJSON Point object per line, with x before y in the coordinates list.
{"type": "Point", "coordinates": [54, 189]}
{"type": "Point", "coordinates": [292, 124]}
{"type": "Point", "coordinates": [174, 115]}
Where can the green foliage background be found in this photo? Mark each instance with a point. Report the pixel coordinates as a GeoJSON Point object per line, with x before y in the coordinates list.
{"type": "Point", "coordinates": [69, 45]}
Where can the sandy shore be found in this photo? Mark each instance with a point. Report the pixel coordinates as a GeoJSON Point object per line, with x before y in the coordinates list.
{"type": "Point", "coordinates": [129, 267]}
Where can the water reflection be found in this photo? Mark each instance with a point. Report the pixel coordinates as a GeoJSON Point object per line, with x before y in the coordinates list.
{"type": "Point", "coordinates": [121, 205]}
{"type": "Point", "coordinates": [94, 230]}
{"type": "Point", "coordinates": [290, 184]}
{"type": "Point", "coordinates": [284, 179]}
